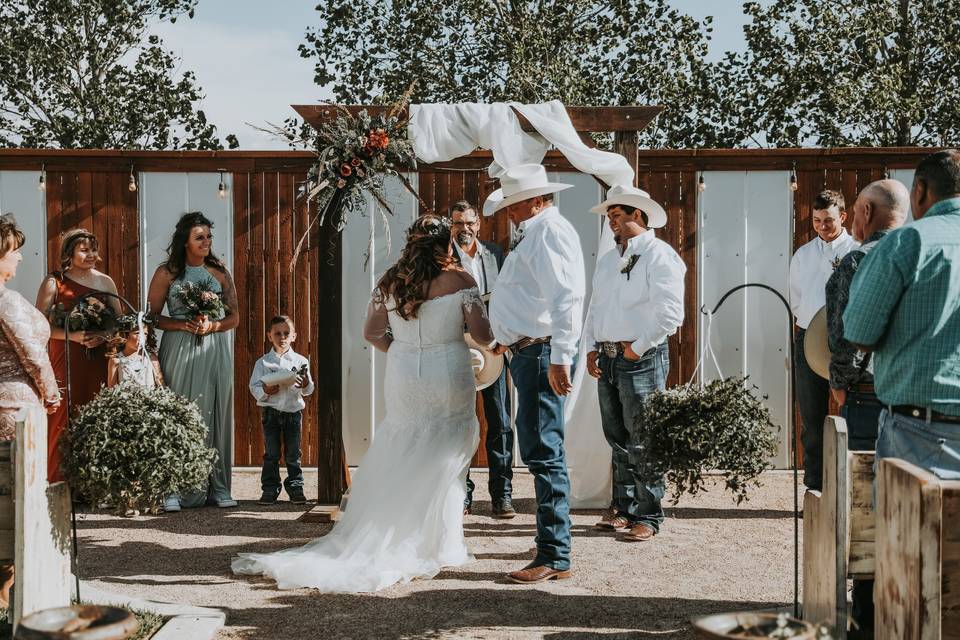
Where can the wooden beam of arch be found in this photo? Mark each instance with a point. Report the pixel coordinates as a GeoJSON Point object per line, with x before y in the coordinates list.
{"type": "Point", "coordinates": [584, 119]}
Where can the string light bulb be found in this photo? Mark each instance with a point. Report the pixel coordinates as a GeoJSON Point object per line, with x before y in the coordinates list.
{"type": "Point", "coordinates": [132, 184]}
{"type": "Point", "coordinates": [222, 188]}
{"type": "Point", "coordinates": [793, 178]}
{"type": "Point", "coordinates": [701, 184]}
{"type": "Point", "coordinates": [42, 184]}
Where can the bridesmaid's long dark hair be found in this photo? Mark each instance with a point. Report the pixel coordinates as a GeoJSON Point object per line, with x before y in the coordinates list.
{"type": "Point", "coordinates": [425, 256]}
{"type": "Point", "coordinates": [177, 251]}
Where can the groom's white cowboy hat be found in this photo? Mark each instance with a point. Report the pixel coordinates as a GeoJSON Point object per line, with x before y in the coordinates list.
{"type": "Point", "coordinates": [487, 366]}
{"type": "Point", "coordinates": [520, 183]}
{"type": "Point", "coordinates": [637, 198]}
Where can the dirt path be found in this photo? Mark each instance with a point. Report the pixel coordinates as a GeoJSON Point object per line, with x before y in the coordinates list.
{"type": "Point", "coordinates": [711, 556]}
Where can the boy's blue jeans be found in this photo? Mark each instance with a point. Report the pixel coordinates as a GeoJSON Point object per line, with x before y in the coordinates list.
{"type": "Point", "coordinates": [281, 429]}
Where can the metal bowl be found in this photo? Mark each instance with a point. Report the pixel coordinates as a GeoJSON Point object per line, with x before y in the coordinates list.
{"type": "Point", "coordinates": [737, 626]}
{"type": "Point", "coordinates": [81, 622]}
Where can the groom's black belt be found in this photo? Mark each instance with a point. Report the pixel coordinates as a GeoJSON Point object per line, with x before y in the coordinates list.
{"type": "Point", "coordinates": [523, 343]}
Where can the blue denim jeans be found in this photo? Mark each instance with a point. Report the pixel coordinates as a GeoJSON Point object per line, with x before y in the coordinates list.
{"type": "Point", "coordinates": [934, 446]}
{"type": "Point", "coordinates": [281, 429]}
{"type": "Point", "coordinates": [540, 435]}
{"type": "Point", "coordinates": [498, 443]}
{"type": "Point", "coordinates": [813, 396]}
{"type": "Point", "coordinates": [621, 388]}
{"type": "Point", "coordinates": [862, 413]}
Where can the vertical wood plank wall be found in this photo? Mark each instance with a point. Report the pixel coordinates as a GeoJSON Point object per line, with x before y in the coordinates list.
{"type": "Point", "coordinates": [101, 203]}
{"type": "Point", "coordinates": [91, 191]}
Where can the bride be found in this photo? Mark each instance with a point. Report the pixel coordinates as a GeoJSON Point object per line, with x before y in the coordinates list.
{"type": "Point", "coordinates": [405, 518]}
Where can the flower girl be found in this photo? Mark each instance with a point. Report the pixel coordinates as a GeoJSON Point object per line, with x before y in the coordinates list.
{"type": "Point", "coordinates": [137, 362]}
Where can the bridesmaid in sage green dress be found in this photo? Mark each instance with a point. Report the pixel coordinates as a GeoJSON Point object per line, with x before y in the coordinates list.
{"type": "Point", "coordinates": [201, 372]}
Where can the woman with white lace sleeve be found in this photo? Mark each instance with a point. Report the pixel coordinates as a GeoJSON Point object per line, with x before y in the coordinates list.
{"type": "Point", "coordinates": [405, 518]}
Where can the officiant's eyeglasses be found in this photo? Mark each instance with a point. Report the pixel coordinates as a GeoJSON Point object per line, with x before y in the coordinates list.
{"type": "Point", "coordinates": [465, 223]}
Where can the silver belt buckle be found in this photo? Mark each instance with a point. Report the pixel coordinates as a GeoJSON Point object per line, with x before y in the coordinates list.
{"type": "Point", "coordinates": [609, 349]}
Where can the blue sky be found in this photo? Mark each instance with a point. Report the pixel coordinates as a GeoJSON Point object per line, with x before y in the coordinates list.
{"type": "Point", "coordinates": [244, 53]}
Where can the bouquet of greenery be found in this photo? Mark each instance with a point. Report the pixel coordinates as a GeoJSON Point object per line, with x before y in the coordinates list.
{"type": "Point", "coordinates": [131, 447]}
{"type": "Point", "coordinates": [200, 300]}
{"type": "Point", "coordinates": [687, 430]}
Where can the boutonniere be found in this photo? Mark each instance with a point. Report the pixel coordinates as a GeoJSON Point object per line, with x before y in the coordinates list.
{"type": "Point", "coordinates": [836, 262]}
{"type": "Point", "coordinates": [627, 264]}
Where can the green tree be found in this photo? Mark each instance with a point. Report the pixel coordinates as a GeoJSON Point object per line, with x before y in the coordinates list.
{"type": "Point", "coordinates": [589, 52]}
{"type": "Point", "coordinates": [848, 73]}
{"type": "Point", "coordinates": [87, 74]}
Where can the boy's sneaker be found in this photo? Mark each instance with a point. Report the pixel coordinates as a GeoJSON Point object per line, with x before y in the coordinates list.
{"type": "Point", "coordinates": [296, 496]}
{"type": "Point", "coordinates": [268, 497]}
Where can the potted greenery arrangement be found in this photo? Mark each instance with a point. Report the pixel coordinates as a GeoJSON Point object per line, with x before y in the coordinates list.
{"type": "Point", "coordinates": [131, 447]}
{"type": "Point", "coordinates": [690, 429]}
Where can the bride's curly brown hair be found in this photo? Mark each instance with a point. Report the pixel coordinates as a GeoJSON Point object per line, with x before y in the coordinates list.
{"type": "Point", "coordinates": [425, 256]}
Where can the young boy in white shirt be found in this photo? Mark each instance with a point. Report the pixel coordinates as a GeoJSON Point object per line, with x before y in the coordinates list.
{"type": "Point", "coordinates": [280, 380]}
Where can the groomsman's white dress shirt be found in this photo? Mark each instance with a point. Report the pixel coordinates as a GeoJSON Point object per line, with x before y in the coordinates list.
{"type": "Point", "coordinates": [811, 267]}
{"type": "Point", "coordinates": [644, 308]}
{"type": "Point", "coordinates": [474, 265]}
{"type": "Point", "coordinates": [540, 289]}
{"type": "Point", "coordinates": [289, 398]}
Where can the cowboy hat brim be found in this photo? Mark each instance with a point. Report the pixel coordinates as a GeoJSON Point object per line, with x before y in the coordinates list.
{"type": "Point", "coordinates": [816, 349]}
{"type": "Point", "coordinates": [495, 201]}
{"type": "Point", "coordinates": [656, 216]}
{"type": "Point", "coordinates": [492, 364]}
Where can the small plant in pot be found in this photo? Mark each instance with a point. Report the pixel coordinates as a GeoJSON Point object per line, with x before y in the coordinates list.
{"type": "Point", "coordinates": [131, 447]}
{"type": "Point", "coordinates": [690, 429]}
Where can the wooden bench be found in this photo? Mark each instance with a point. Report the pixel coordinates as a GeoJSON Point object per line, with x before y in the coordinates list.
{"type": "Point", "coordinates": [917, 590]}
{"type": "Point", "coordinates": [838, 529]}
{"type": "Point", "coordinates": [34, 520]}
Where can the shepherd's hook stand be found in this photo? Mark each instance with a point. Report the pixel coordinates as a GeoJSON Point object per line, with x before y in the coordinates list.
{"type": "Point", "coordinates": [793, 429]}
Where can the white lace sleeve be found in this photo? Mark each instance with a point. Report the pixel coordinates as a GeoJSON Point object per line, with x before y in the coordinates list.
{"type": "Point", "coordinates": [475, 316]}
{"type": "Point", "coordinates": [376, 328]}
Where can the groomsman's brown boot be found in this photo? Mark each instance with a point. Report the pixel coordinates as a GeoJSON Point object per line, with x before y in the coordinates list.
{"type": "Point", "coordinates": [541, 573]}
{"type": "Point", "coordinates": [640, 533]}
{"type": "Point", "coordinates": [611, 521]}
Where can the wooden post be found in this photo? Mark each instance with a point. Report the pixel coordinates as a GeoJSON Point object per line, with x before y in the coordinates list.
{"type": "Point", "coordinates": [42, 538]}
{"type": "Point", "coordinates": [333, 477]}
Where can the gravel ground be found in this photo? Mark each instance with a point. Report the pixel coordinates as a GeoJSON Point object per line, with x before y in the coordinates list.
{"type": "Point", "coordinates": [711, 556]}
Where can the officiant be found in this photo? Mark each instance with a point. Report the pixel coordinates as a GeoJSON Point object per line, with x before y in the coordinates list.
{"type": "Point", "coordinates": [483, 260]}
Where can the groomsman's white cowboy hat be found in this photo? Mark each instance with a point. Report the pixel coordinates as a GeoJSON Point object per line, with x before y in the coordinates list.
{"type": "Point", "coordinates": [816, 348]}
{"type": "Point", "coordinates": [637, 198]}
{"type": "Point", "coordinates": [520, 183]}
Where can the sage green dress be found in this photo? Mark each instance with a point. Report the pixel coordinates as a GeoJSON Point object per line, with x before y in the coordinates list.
{"type": "Point", "coordinates": [204, 374]}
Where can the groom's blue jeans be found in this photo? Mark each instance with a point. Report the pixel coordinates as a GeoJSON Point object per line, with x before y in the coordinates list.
{"type": "Point", "coordinates": [540, 435]}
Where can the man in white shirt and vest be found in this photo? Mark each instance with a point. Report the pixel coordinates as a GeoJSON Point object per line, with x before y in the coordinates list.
{"type": "Point", "coordinates": [483, 261]}
{"type": "Point", "coordinates": [637, 303]}
{"type": "Point", "coordinates": [535, 313]}
{"type": "Point", "coordinates": [810, 268]}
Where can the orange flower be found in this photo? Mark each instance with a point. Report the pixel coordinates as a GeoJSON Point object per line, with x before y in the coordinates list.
{"type": "Point", "coordinates": [345, 169]}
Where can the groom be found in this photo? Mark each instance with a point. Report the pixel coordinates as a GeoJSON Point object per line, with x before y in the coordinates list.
{"type": "Point", "coordinates": [535, 313]}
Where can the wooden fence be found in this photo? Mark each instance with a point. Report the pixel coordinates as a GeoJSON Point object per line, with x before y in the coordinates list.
{"type": "Point", "coordinates": [88, 188]}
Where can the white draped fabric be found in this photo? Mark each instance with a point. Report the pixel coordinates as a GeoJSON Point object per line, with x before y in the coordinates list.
{"type": "Point", "coordinates": [442, 132]}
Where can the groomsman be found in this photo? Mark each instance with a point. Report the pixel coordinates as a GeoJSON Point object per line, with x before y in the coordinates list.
{"type": "Point", "coordinates": [810, 268]}
{"type": "Point", "coordinates": [637, 303]}
{"type": "Point", "coordinates": [483, 261]}
{"type": "Point", "coordinates": [535, 313]}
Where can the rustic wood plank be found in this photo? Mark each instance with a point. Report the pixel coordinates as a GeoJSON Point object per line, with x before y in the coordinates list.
{"type": "Point", "coordinates": [244, 419]}
{"type": "Point", "coordinates": [950, 562]}
{"type": "Point", "coordinates": [43, 533]}
{"type": "Point", "coordinates": [689, 250]}
{"type": "Point", "coordinates": [818, 579]}
{"type": "Point", "coordinates": [583, 118]}
{"type": "Point", "coordinates": [836, 491]}
{"type": "Point", "coordinates": [8, 546]}
{"type": "Point", "coordinates": [305, 329]}
{"type": "Point", "coordinates": [441, 192]}
{"type": "Point", "coordinates": [127, 208]}
{"type": "Point", "coordinates": [425, 187]}
{"type": "Point", "coordinates": [862, 524]}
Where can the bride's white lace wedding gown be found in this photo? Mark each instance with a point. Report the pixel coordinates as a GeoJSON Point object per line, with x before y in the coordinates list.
{"type": "Point", "coordinates": [405, 515]}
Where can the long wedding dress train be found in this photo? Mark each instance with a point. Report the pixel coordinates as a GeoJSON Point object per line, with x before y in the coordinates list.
{"type": "Point", "coordinates": [405, 515]}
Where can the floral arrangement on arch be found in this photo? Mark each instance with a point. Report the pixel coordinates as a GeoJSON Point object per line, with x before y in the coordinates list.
{"type": "Point", "coordinates": [355, 154]}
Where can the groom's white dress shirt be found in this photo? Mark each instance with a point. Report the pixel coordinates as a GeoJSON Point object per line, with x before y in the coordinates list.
{"type": "Point", "coordinates": [644, 307]}
{"type": "Point", "coordinates": [540, 289]}
{"type": "Point", "coordinates": [811, 267]}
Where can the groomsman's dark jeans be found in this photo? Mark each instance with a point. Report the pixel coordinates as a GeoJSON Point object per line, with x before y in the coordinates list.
{"type": "Point", "coordinates": [499, 441]}
{"type": "Point", "coordinates": [813, 396]}
{"type": "Point", "coordinates": [281, 428]}
{"type": "Point", "coordinates": [540, 434]}
{"type": "Point", "coordinates": [621, 388]}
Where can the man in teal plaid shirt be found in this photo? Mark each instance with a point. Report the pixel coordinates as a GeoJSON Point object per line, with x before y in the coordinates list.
{"type": "Point", "coordinates": [905, 307]}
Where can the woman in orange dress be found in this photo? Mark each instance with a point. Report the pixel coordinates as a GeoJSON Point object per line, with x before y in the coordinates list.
{"type": "Point", "coordinates": [77, 279]}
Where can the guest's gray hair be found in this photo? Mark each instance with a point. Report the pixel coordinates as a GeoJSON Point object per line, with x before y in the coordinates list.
{"type": "Point", "coordinates": [888, 194]}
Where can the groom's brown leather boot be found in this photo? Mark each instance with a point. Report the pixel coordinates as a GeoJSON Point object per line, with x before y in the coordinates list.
{"type": "Point", "coordinates": [541, 573]}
